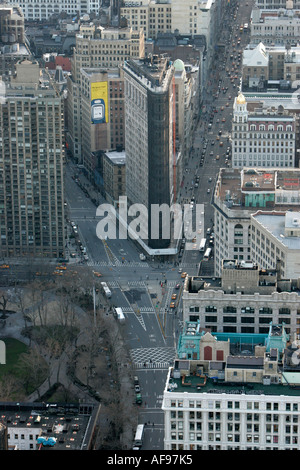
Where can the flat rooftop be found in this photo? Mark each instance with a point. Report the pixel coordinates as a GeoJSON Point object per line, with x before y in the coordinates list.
{"type": "Point", "coordinates": [275, 223]}
{"type": "Point", "coordinates": [254, 180]}
{"type": "Point", "coordinates": [196, 385]}
{"type": "Point", "coordinates": [118, 158]}
{"type": "Point", "coordinates": [10, 50]}
{"type": "Point", "coordinates": [233, 184]}
{"type": "Point", "coordinates": [289, 181]}
{"type": "Point", "coordinates": [153, 72]}
{"type": "Point", "coordinates": [71, 424]}
{"type": "Point", "coordinates": [111, 72]}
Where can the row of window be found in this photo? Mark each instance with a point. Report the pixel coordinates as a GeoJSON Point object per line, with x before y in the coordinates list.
{"type": "Point", "coordinates": [232, 309]}
{"type": "Point", "coordinates": [22, 436]}
{"type": "Point", "coordinates": [216, 437]}
{"type": "Point", "coordinates": [263, 127]}
{"type": "Point", "coordinates": [250, 405]}
{"type": "Point", "coordinates": [259, 163]}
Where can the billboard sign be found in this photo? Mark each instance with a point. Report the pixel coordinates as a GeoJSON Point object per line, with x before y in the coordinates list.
{"type": "Point", "coordinates": [99, 102]}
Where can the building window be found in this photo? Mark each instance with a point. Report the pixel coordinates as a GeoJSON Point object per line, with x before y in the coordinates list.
{"type": "Point", "coordinates": [265, 310]}
{"type": "Point", "coordinates": [229, 309]}
{"type": "Point", "coordinates": [247, 310]}
{"type": "Point", "coordinates": [207, 353]}
{"type": "Point", "coordinates": [284, 311]}
{"type": "Point", "coordinates": [229, 319]}
{"type": "Point", "coordinates": [210, 308]}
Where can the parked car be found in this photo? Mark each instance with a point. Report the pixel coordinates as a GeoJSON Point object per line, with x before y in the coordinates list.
{"type": "Point", "coordinates": [138, 399]}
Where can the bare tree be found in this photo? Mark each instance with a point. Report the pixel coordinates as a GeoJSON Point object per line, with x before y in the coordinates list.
{"type": "Point", "coordinates": [3, 304]}
{"type": "Point", "coordinates": [10, 387]}
{"type": "Point", "coordinates": [42, 308]}
{"type": "Point", "coordinates": [66, 310]}
{"type": "Point", "coordinates": [21, 304]}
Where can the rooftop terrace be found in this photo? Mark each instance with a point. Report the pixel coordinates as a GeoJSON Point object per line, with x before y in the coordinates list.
{"type": "Point", "coordinates": [194, 384]}
{"type": "Point", "coordinates": [234, 187]}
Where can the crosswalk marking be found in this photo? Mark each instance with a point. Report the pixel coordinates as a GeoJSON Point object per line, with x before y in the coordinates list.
{"type": "Point", "coordinates": [147, 309]}
{"type": "Point", "coordinates": [113, 284]}
{"type": "Point", "coordinates": [141, 309]}
{"type": "Point", "coordinates": [137, 284]}
{"type": "Point", "coordinates": [141, 320]}
{"type": "Point", "coordinates": [153, 365]}
{"type": "Point", "coordinates": [129, 310]}
{"type": "Point", "coordinates": [152, 358]}
{"type": "Point", "coordinates": [116, 262]}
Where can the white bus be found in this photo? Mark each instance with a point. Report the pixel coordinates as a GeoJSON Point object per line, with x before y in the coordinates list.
{"type": "Point", "coordinates": [139, 436]}
{"type": "Point", "coordinates": [202, 244]}
{"type": "Point", "coordinates": [207, 254]}
{"type": "Point", "coordinates": [106, 289]}
{"type": "Point", "coordinates": [120, 314]}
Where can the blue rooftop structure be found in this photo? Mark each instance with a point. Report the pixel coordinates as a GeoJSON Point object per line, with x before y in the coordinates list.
{"type": "Point", "coordinates": [242, 338]}
{"type": "Point", "coordinates": [189, 340]}
{"type": "Point", "coordinates": [277, 338]}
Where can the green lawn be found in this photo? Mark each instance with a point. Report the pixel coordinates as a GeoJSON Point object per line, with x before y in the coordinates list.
{"type": "Point", "coordinates": [13, 350]}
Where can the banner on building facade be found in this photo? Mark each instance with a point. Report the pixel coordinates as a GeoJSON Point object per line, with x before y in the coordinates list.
{"type": "Point", "coordinates": [99, 102]}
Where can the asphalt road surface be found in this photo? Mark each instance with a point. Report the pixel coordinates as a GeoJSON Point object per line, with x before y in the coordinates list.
{"type": "Point", "coordinates": [144, 289]}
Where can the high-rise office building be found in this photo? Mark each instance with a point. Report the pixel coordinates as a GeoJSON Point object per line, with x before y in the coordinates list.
{"type": "Point", "coordinates": [101, 90]}
{"type": "Point", "coordinates": [31, 166]}
{"type": "Point", "coordinates": [96, 74]}
{"type": "Point", "coordinates": [240, 193]}
{"type": "Point", "coordinates": [188, 18]}
{"type": "Point", "coordinates": [105, 47]}
{"type": "Point", "coordinates": [149, 137]}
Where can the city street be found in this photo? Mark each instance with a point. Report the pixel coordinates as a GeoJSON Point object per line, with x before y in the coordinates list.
{"type": "Point", "coordinates": [144, 289]}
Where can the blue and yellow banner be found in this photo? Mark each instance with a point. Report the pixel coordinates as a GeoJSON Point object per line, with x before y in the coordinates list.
{"type": "Point", "coordinates": [99, 102]}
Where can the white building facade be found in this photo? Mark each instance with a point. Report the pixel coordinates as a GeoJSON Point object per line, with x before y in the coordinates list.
{"type": "Point", "coordinates": [275, 235]}
{"type": "Point", "coordinates": [230, 421]}
{"type": "Point", "coordinates": [264, 138]}
{"type": "Point", "coordinates": [242, 313]}
{"type": "Point", "coordinates": [238, 194]}
{"type": "Point", "coordinates": [43, 10]}
{"type": "Point", "coordinates": [279, 28]}
{"type": "Point", "coordinates": [276, 4]}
